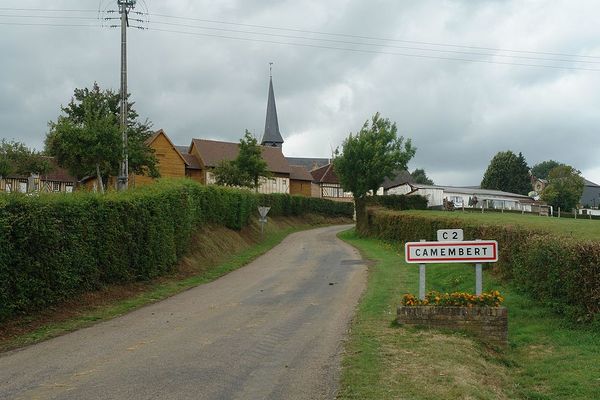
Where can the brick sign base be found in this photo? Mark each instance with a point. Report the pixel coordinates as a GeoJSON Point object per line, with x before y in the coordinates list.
{"type": "Point", "coordinates": [489, 324]}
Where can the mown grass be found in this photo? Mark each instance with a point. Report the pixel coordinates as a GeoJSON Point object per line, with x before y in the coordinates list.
{"type": "Point", "coordinates": [546, 358]}
{"type": "Point", "coordinates": [581, 228]}
{"type": "Point", "coordinates": [221, 252]}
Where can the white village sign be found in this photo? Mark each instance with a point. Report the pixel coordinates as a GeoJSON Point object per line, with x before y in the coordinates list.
{"type": "Point", "coordinates": [450, 250]}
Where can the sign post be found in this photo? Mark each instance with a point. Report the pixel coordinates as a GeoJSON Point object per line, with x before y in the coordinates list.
{"type": "Point", "coordinates": [263, 211]}
{"type": "Point", "coordinates": [451, 249]}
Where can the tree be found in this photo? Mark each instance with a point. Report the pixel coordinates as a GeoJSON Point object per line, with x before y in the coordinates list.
{"type": "Point", "coordinates": [16, 158]}
{"type": "Point", "coordinates": [367, 158]}
{"type": "Point", "coordinates": [247, 169]}
{"type": "Point", "coordinates": [564, 189]}
{"type": "Point", "coordinates": [541, 170]}
{"type": "Point", "coordinates": [86, 138]}
{"type": "Point", "coordinates": [419, 176]}
{"type": "Point", "coordinates": [507, 172]}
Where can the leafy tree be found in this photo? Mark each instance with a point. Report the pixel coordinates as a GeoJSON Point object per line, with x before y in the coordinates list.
{"type": "Point", "coordinates": [86, 138]}
{"type": "Point", "coordinates": [367, 158]}
{"type": "Point", "coordinates": [541, 170]}
{"type": "Point", "coordinates": [564, 189]}
{"type": "Point", "coordinates": [419, 176]}
{"type": "Point", "coordinates": [247, 169]}
{"type": "Point", "coordinates": [16, 158]}
{"type": "Point", "coordinates": [507, 172]}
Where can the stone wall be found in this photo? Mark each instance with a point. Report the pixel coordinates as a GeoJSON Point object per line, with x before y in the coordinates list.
{"type": "Point", "coordinates": [490, 324]}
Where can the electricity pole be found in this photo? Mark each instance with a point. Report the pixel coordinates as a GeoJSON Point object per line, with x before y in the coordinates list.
{"type": "Point", "coordinates": [124, 7]}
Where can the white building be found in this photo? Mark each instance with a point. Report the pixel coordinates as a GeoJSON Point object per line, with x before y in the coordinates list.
{"type": "Point", "coordinates": [467, 197]}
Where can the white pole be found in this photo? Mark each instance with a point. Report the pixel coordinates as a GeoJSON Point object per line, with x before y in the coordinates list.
{"type": "Point", "coordinates": [422, 279]}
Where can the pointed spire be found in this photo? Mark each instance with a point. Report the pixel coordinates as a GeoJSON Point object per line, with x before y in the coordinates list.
{"type": "Point", "coordinates": [271, 136]}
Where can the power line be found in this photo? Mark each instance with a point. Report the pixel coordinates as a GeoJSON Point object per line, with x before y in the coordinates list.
{"type": "Point", "coordinates": [374, 44]}
{"type": "Point", "coordinates": [369, 37]}
{"type": "Point", "coordinates": [47, 16]}
{"type": "Point", "coordinates": [45, 9]}
{"type": "Point", "coordinates": [49, 24]}
{"type": "Point", "coordinates": [376, 51]}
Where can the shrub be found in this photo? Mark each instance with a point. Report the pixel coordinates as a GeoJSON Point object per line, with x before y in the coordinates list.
{"type": "Point", "coordinates": [559, 271]}
{"type": "Point", "coordinates": [53, 246]}
{"type": "Point", "coordinates": [399, 202]}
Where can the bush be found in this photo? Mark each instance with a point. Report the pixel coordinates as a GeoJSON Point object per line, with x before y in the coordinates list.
{"type": "Point", "coordinates": [56, 245]}
{"type": "Point", "coordinates": [399, 202]}
{"type": "Point", "coordinates": [561, 272]}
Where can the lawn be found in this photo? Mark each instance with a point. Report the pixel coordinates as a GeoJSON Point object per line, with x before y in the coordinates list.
{"type": "Point", "coordinates": [581, 228]}
{"type": "Point", "coordinates": [546, 358]}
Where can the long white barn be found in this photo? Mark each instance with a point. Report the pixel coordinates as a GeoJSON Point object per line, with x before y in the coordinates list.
{"type": "Point", "coordinates": [464, 196]}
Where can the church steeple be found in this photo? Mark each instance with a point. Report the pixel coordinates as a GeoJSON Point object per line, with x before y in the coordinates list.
{"type": "Point", "coordinates": [271, 136]}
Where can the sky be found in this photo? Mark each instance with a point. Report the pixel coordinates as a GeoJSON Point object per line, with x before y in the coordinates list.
{"type": "Point", "coordinates": [462, 79]}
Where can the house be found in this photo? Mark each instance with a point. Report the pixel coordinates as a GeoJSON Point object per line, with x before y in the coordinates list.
{"type": "Point", "coordinates": [171, 161]}
{"type": "Point", "coordinates": [467, 197]}
{"type": "Point", "coordinates": [328, 185]}
{"type": "Point", "coordinates": [57, 180]}
{"type": "Point", "coordinates": [209, 153]}
{"type": "Point", "coordinates": [590, 198]}
{"type": "Point", "coordinates": [300, 181]}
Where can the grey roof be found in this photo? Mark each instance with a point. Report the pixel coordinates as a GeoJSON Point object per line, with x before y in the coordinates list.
{"type": "Point", "coordinates": [271, 136]}
{"type": "Point", "coordinates": [308, 163]}
{"type": "Point", "coordinates": [400, 178]}
{"type": "Point", "coordinates": [469, 190]}
{"type": "Point", "coordinates": [590, 183]}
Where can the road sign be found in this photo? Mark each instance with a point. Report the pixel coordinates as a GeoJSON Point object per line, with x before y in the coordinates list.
{"type": "Point", "coordinates": [483, 251]}
{"type": "Point", "coordinates": [450, 235]}
{"type": "Point", "coordinates": [263, 211]}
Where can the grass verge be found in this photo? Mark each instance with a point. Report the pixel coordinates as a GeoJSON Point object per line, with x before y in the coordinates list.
{"type": "Point", "coordinates": [215, 251]}
{"type": "Point", "coordinates": [546, 358]}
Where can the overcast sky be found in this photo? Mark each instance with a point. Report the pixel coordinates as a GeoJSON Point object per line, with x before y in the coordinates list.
{"type": "Point", "coordinates": [192, 79]}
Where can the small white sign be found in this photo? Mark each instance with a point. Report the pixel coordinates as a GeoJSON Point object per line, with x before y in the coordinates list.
{"type": "Point", "coordinates": [450, 235]}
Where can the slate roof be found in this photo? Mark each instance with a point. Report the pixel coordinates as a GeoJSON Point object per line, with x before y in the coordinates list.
{"type": "Point", "coordinates": [212, 152]}
{"type": "Point", "coordinates": [308, 163]}
{"type": "Point", "coordinates": [271, 135]}
{"type": "Point", "coordinates": [325, 174]}
{"type": "Point", "coordinates": [300, 173]}
{"type": "Point", "coordinates": [401, 178]}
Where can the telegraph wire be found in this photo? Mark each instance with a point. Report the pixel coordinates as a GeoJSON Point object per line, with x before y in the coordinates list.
{"type": "Point", "coordinates": [320, 39]}
{"type": "Point", "coordinates": [373, 44]}
{"type": "Point", "coordinates": [375, 51]}
{"type": "Point", "coordinates": [369, 37]}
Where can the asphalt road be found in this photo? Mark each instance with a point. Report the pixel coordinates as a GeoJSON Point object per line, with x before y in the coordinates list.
{"type": "Point", "coordinates": [271, 330]}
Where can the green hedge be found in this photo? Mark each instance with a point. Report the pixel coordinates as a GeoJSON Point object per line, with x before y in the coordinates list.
{"type": "Point", "coordinates": [56, 245]}
{"type": "Point", "coordinates": [399, 202]}
{"type": "Point", "coordinates": [559, 271]}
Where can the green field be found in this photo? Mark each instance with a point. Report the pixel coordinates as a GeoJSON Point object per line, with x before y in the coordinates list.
{"type": "Point", "coordinates": [546, 358]}
{"type": "Point", "coordinates": [580, 228]}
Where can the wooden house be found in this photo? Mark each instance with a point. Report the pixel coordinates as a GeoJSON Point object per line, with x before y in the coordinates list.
{"type": "Point", "coordinates": [55, 181]}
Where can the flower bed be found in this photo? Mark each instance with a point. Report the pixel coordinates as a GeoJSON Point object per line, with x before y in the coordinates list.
{"type": "Point", "coordinates": [480, 315]}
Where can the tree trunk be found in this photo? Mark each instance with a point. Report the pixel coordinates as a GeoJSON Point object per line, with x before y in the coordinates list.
{"type": "Point", "coordinates": [362, 219]}
{"type": "Point", "coordinates": [99, 178]}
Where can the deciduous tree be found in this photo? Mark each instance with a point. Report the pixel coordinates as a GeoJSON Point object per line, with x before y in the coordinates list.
{"type": "Point", "coordinates": [507, 172]}
{"type": "Point", "coordinates": [86, 138]}
{"type": "Point", "coordinates": [541, 170]}
{"type": "Point", "coordinates": [367, 158]}
{"type": "Point", "coordinates": [17, 158]}
{"type": "Point", "coordinates": [564, 189]}
{"type": "Point", "coordinates": [248, 167]}
{"type": "Point", "coordinates": [419, 176]}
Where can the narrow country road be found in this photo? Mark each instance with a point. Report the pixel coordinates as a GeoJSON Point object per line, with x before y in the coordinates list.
{"type": "Point", "coordinates": [271, 330]}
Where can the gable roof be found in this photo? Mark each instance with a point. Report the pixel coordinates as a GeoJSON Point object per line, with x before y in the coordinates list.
{"type": "Point", "coordinates": [299, 173]}
{"type": "Point", "coordinates": [162, 132]}
{"type": "Point", "coordinates": [400, 178]}
{"type": "Point", "coordinates": [212, 152]}
{"type": "Point", "coordinates": [325, 174]}
{"type": "Point", "coordinates": [271, 136]}
{"type": "Point", "coordinates": [469, 191]}
{"type": "Point", "coordinates": [308, 163]}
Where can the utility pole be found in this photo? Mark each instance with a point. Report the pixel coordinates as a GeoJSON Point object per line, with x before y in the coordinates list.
{"type": "Point", "coordinates": [124, 7]}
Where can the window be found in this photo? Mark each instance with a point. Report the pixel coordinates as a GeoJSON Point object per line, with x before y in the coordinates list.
{"type": "Point", "coordinates": [56, 186]}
